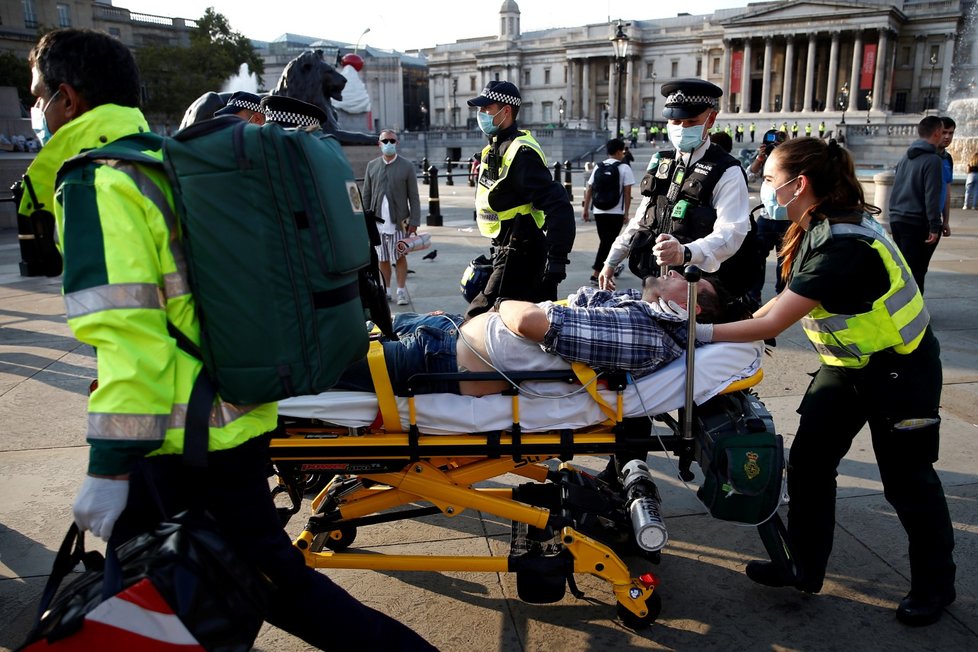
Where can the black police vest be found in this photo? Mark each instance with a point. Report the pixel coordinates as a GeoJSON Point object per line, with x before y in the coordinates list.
{"type": "Point", "coordinates": [690, 216]}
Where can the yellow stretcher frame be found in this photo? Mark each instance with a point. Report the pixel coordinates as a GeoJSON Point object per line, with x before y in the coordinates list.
{"type": "Point", "coordinates": [442, 470]}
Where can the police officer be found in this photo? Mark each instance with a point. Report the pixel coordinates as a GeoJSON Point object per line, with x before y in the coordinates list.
{"type": "Point", "coordinates": [695, 207]}
{"type": "Point", "coordinates": [519, 205]}
{"type": "Point", "coordinates": [244, 105]}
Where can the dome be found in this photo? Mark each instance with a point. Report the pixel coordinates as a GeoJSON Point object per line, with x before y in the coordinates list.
{"type": "Point", "coordinates": [509, 6]}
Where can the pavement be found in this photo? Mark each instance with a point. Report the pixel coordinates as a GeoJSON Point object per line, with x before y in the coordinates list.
{"type": "Point", "coordinates": [708, 603]}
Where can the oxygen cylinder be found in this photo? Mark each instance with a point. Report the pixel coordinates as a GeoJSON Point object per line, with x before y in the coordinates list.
{"type": "Point", "coordinates": [644, 506]}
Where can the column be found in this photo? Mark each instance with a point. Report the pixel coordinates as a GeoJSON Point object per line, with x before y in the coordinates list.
{"type": "Point", "coordinates": [766, 75]}
{"type": "Point", "coordinates": [946, 72]}
{"type": "Point", "coordinates": [857, 59]}
{"type": "Point", "coordinates": [833, 74]}
{"type": "Point", "coordinates": [789, 69]}
{"type": "Point", "coordinates": [916, 99]}
{"type": "Point", "coordinates": [586, 89]}
{"type": "Point", "coordinates": [569, 93]}
{"type": "Point", "coordinates": [879, 75]}
{"type": "Point", "coordinates": [725, 85]}
{"type": "Point", "coordinates": [745, 77]}
{"type": "Point", "coordinates": [613, 94]}
{"type": "Point", "coordinates": [809, 73]}
{"type": "Point", "coordinates": [629, 93]}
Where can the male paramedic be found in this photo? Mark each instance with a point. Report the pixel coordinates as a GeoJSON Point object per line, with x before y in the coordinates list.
{"type": "Point", "coordinates": [124, 283]}
{"type": "Point", "coordinates": [695, 208]}
{"type": "Point", "coordinates": [519, 205]}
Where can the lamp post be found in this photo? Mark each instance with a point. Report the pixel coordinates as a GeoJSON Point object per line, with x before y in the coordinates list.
{"type": "Point", "coordinates": [424, 128]}
{"type": "Point", "coordinates": [359, 38]}
{"type": "Point", "coordinates": [454, 103]}
{"type": "Point", "coordinates": [869, 104]}
{"type": "Point", "coordinates": [620, 42]}
{"type": "Point", "coordinates": [560, 111]}
{"type": "Point", "coordinates": [653, 96]}
{"type": "Point", "coordinates": [844, 100]}
{"type": "Point", "coordinates": [930, 88]}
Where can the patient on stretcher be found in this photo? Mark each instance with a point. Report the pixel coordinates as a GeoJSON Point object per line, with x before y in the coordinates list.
{"type": "Point", "coordinates": [626, 330]}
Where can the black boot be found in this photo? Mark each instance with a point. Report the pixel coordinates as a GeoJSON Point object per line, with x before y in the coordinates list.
{"type": "Point", "coordinates": [921, 608]}
{"type": "Point", "coordinates": [770, 574]}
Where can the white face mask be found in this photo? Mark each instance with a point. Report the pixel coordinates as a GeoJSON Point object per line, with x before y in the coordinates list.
{"type": "Point", "coordinates": [686, 139]}
{"type": "Point", "coordinates": [39, 121]}
{"type": "Point", "coordinates": [769, 197]}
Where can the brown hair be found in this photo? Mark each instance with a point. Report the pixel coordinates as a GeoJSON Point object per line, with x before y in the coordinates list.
{"type": "Point", "coordinates": [831, 172]}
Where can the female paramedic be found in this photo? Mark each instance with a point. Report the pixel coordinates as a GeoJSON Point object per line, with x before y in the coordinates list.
{"type": "Point", "coordinates": [861, 309]}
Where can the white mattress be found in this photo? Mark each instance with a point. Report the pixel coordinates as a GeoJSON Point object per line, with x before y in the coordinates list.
{"type": "Point", "coordinates": [716, 367]}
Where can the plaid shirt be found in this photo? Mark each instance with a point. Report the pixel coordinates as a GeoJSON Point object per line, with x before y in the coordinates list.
{"type": "Point", "coordinates": [614, 331]}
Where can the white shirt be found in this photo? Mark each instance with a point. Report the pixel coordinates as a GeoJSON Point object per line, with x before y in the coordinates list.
{"type": "Point", "coordinates": [625, 178]}
{"type": "Point", "coordinates": [731, 226]}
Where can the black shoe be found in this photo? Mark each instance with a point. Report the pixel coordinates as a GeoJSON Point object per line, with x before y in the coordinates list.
{"type": "Point", "coordinates": [922, 609]}
{"type": "Point", "coordinates": [770, 574]}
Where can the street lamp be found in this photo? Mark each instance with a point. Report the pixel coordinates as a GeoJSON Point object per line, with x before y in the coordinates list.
{"type": "Point", "coordinates": [560, 111]}
{"type": "Point", "coordinates": [620, 42]}
{"type": "Point", "coordinates": [454, 103]}
{"type": "Point", "coordinates": [844, 100]}
{"type": "Point", "coordinates": [930, 89]}
{"type": "Point", "coordinates": [869, 104]}
{"type": "Point", "coordinates": [653, 96]}
{"type": "Point", "coordinates": [424, 127]}
{"type": "Point", "coordinates": [359, 38]}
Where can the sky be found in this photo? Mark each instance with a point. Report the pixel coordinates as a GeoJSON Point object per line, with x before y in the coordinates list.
{"type": "Point", "coordinates": [399, 25]}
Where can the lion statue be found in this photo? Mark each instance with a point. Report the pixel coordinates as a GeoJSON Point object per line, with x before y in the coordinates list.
{"type": "Point", "coordinates": [309, 78]}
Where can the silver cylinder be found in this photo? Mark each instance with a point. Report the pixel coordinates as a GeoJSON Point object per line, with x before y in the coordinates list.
{"type": "Point", "coordinates": [644, 506]}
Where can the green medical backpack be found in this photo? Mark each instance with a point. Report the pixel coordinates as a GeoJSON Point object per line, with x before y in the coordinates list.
{"type": "Point", "coordinates": [274, 234]}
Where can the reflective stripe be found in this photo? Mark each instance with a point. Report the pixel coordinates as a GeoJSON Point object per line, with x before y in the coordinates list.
{"type": "Point", "coordinates": [221, 414]}
{"type": "Point", "coordinates": [916, 326]}
{"type": "Point", "coordinates": [175, 285]}
{"type": "Point", "coordinates": [153, 193]}
{"type": "Point", "coordinates": [142, 427]}
{"type": "Point", "coordinates": [113, 297]}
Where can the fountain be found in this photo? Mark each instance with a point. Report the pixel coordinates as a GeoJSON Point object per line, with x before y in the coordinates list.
{"type": "Point", "coordinates": [963, 106]}
{"type": "Point", "coordinates": [244, 80]}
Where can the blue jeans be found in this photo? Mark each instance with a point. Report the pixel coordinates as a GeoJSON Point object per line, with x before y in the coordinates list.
{"type": "Point", "coordinates": [427, 345]}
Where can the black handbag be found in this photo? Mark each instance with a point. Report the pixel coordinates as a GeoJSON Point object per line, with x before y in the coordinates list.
{"type": "Point", "coordinates": [179, 585]}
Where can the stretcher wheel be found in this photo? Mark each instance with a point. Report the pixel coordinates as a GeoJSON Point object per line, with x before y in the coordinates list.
{"type": "Point", "coordinates": [336, 540]}
{"type": "Point", "coordinates": [654, 606]}
{"type": "Point", "coordinates": [313, 483]}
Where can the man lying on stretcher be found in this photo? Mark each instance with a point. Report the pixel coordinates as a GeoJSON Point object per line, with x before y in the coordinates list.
{"type": "Point", "coordinates": [627, 330]}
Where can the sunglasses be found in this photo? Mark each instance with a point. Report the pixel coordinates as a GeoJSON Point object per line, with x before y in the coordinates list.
{"type": "Point", "coordinates": [388, 141]}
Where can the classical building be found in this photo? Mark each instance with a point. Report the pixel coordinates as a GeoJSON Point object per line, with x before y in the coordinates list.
{"type": "Point", "coordinates": [791, 60]}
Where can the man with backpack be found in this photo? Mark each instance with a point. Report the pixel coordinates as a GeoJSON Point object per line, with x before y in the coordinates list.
{"type": "Point", "coordinates": [127, 295]}
{"type": "Point", "coordinates": [609, 196]}
{"type": "Point", "coordinates": [695, 208]}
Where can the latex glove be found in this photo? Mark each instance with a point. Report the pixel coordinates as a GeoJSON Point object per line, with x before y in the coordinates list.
{"type": "Point", "coordinates": [668, 250]}
{"type": "Point", "coordinates": [555, 272]}
{"type": "Point", "coordinates": [673, 308]}
{"type": "Point", "coordinates": [99, 503]}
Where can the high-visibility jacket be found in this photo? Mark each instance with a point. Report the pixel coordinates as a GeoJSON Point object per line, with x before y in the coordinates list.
{"type": "Point", "coordinates": [123, 282]}
{"type": "Point", "coordinates": [896, 320]}
{"type": "Point", "coordinates": [488, 219]}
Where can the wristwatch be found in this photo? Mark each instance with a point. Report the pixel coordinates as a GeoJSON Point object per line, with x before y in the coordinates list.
{"type": "Point", "coordinates": [687, 255]}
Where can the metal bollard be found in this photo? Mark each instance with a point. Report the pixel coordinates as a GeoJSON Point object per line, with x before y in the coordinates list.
{"type": "Point", "coordinates": [557, 171]}
{"type": "Point", "coordinates": [567, 181]}
{"type": "Point", "coordinates": [448, 171]}
{"type": "Point", "coordinates": [424, 170]}
{"type": "Point", "coordinates": [434, 204]}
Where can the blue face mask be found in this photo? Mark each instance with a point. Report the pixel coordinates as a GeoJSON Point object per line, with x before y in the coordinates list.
{"type": "Point", "coordinates": [685, 139]}
{"type": "Point", "coordinates": [39, 121]}
{"type": "Point", "coordinates": [388, 149]}
{"type": "Point", "coordinates": [487, 122]}
{"type": "Point", "coordinates": [769, 198]}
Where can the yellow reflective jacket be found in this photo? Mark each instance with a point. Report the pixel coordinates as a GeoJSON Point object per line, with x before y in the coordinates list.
{"type": "Point", "coordinates": [489, 219]}
{"type": "Point", "coordinates": [123, 281]}
{"type": "Point", "coordinates": [896, 320]}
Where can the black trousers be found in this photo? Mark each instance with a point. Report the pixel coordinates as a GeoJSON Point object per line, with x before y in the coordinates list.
{"type": "Point", "coordinates": [838, 403]}
{"type": "Point", "coordinates": [609, 226]}
{"type": "Point", "coordinates": [234, 489]}
{"type": "Point", "coordinates": [910, 239]}
{"type": "Point", "coordinates": [519, 258]}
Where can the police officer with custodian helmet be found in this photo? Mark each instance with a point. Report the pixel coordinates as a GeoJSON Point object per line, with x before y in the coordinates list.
{"type": "Point", "coordinates": [519, 205]}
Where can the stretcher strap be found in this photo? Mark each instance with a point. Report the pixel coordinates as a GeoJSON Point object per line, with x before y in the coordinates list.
{"type": "Point", "coordinates": [588, 378]}
{"type": "Point", "coordinates": [383, 387]}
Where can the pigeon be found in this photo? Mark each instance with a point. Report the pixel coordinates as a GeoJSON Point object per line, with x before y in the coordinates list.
{"type": "Point", "coordinates": [431, 256]}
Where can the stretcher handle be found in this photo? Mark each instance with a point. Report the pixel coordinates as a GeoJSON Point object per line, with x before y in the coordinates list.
{"type": "Point", "coordinates": [693, 274]}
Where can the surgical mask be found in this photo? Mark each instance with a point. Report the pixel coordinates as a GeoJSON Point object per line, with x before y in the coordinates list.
{"type": "Point", "coordinates": [769, 198]}
{"type": "Point", "coordinates": [39, 121]}
{"type": "Point", "coordinates": [486, 122]}
{"type": "Point", "coordinates": [388, 149]}
{"type": "Point", "coordinates": [686, 139]}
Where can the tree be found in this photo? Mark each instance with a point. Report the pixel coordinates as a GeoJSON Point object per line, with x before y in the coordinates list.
{"type": "Point", "coordinates": [173, 76]}
{"type": "Point", "coordinates": [15, 72]}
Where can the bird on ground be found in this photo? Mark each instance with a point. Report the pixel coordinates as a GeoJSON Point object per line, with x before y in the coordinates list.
{"type": "Point", "coordinates": [431, 256]}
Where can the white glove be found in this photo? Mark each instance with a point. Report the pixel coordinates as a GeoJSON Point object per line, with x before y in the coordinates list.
{"type": "Point", "coordinates": [668, 250]}
{"type": "Point", "coordinates": [704, 333]}
{"type": "Point", "coordinates": [99, 503]}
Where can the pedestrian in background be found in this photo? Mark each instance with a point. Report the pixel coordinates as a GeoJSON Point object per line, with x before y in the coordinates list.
{"type": "Point", "coordinates": [971, 184]}
{"type": "Point", "coordinates": [390, 190]}
{"type": "Point", "coordinates": [608, 196]}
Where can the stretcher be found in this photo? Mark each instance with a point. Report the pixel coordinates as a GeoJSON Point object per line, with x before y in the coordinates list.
{"type": "Point", "coordinates": [390, 458]}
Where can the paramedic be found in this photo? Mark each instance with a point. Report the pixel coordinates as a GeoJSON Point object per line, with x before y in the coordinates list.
{"type": "Point", "coordinates": [695, 209]}
{"type": "Point", "coordinates": [123, 283]}
{"type": "Point", "coordinates": [519, 205]}
{"type": "Point", "coordinates": [880, 364]}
